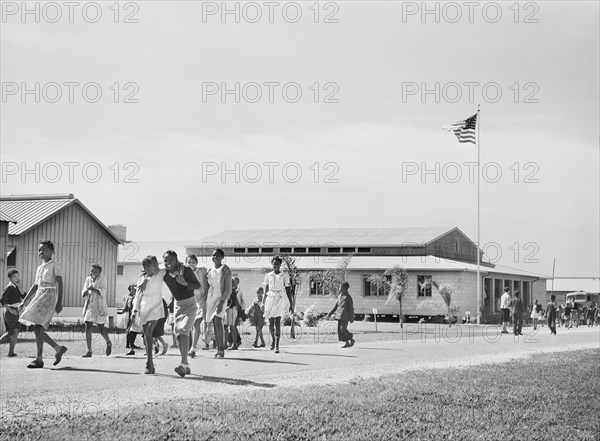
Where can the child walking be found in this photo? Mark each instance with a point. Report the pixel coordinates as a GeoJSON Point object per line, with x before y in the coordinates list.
{"type": "Point", "coordinates": [11, 300]}
{"type": "Point", "coordinates": [257, 319]}
{"type": "Point", "coordinates": [275, 284]}
{"type": "Point", "coordinates": [182, 282]}
{"type": "Point", "coordinates": [200, 294]}
{"type": "Point", "coordinates": [219, 281]}
{"type": "Point", "coordinates": [551, 314]}
{"type": "Point", "coordinates": [95, 308]}
{"type": "Point", "coordinates": [43, 299]}
{"type": "Point", "coordinates": [159, 331]}
{"type": "Point", "coordinates": [148, 304]}
{"type": "Point", "coordinates": [344, 313]}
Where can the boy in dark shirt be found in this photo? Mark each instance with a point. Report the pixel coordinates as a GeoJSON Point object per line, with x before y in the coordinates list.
{"type": "Point", "coordinates": [11, 300]}
{"type": "Point", "coordinates": [344, 313]}
{"type": "Point", "coordinates": [551, 314]}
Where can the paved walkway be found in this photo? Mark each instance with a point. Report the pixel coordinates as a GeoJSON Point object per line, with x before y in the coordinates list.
{"type": "Point", "coordinates": [117, 383]}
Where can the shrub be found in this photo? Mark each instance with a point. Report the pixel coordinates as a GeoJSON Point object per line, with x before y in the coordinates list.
{"type": "Point", "coordinates": [311, 316]}
{"type": "Point", "coordinates": [287, 320]}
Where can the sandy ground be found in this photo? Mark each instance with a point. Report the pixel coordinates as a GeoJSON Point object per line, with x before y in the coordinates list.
{"type": "Point", "coordinates": [116, 384]}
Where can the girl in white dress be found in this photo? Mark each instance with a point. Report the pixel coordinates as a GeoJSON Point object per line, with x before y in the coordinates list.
{"type": "Point", "coordinates": [275, 284]}
{"type": "Point", "coordinates": [536, 314]}
{"type": "Point", "coordinates": [219, 282]}
{"type": "Point", "coordinates": [148, 305]}
{"type": "Point", "coordinates": [95, 308]}
{"type": "Point", "coordinates": [43, 299]}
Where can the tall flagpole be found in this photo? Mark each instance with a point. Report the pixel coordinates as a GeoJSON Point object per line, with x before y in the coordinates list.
{"type": "Point", "coordinates": [478, 223]}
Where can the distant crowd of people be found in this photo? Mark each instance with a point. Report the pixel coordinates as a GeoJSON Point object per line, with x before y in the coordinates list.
{"type": "Point", "coordinates": [203, 306]}
{"type": "Point", "coordinates": [569, 315]}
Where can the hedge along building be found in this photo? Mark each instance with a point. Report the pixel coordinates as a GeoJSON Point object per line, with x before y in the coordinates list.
{"type": "Point", "coordinates": [80, 240]}
{"type": "Point", "coordinates": [445, 255]}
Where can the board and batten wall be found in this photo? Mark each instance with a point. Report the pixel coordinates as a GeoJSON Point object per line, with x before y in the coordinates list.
{"type": "Point", "coordinates": [79, 242]}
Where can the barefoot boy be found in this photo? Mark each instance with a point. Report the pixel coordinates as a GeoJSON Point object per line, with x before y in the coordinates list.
{"type": "Point", "coordinates": [11, 300]}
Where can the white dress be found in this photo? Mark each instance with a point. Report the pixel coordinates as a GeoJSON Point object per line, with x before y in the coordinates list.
{"type": "Point", "coordinates": [95, 308]}
{"type": "Point", "coordinates": [149, 301]}
{"type": "Point", "coordinates": [214, 293]}
{"type": "Point", "coordinates": [534, 313]}
{"type": "Point", "coordinates": [40, 309]}
{"type": "Point", "coordinates": [274, 300]}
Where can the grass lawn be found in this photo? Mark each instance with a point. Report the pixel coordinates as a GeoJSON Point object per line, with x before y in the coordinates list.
{"type": "Point", "coordinates": [502, 401]}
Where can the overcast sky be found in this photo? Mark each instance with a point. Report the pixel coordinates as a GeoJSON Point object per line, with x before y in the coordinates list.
{"type": "Point", "coordinates": [366, 141]}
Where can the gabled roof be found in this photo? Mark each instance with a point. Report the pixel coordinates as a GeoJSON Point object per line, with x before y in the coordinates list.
{"type": "Point", "coordinates": [367, 237]}
{"type": "Point", "coordinates": [572, 284]}
{"type": "Point", "coordinates": [29, 211]}
{"type": "Point", "coordinates": [6, 218]}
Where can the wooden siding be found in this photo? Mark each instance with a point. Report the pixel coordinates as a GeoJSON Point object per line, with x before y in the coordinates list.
{"type": "Point", "coordinates": [79, 242]}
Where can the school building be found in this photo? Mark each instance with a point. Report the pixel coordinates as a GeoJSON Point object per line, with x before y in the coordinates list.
{"type": "Point", "coordinates": [443, 254]}
{"type": "Point", "coordinates": [80, 239]}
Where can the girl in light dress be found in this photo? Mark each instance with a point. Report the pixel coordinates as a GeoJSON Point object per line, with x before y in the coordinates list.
{"type": "Point", "coordinates": [42, 301]}
{"type": "Point", "coordinates": [148, 304]}
{"type": "Point", "coordinates": [95, 308]}
{"type": "Point", "coordinates": [275, 284]}
{"type": "Point", "coordinates": [536, 310]}
{"type": "Point", "coordinates": [200, 294]}
{"type": "Point", "coordinates": [219, 282]}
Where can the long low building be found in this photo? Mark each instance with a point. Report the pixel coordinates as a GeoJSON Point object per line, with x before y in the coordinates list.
{"type": "Point", "coordinates": [445, 255]}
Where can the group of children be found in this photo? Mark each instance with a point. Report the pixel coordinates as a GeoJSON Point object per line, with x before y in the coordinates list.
{"type": "Point", "coordinates": [190, 297]}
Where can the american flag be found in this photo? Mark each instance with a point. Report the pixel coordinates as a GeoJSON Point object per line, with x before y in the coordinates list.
{"type": "Point", "coordinates": [464, 130]}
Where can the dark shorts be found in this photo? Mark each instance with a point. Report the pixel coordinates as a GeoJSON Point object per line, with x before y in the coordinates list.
{"type": "Point", "coordinates": [505, 315]}
{"type": "Point", "coordinates": [11, 321]}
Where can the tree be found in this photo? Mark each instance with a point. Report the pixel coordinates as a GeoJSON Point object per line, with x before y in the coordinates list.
{"type": "Point", "coordinates": [446, 292]}
{"type": "Point", "coordinates": [394, 281]}
{"type": "Point", "coordinates": [295, 282]}
{"type": "Point", "coordinates": [333, 278]}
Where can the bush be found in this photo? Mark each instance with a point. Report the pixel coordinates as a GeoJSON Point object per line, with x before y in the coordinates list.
{"type": "Point", "coordinates": [287, 319]}
{"type": "Point", "coordinates": [311, 316]}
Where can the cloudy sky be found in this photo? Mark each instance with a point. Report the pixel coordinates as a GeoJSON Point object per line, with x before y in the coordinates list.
{"type": "Point", "coordinates": [335, 120]}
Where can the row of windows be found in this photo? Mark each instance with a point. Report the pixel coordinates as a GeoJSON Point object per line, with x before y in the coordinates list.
{"type": "Point", "coordinates": [304, 250]}
{"type": "Point", "coordinates": [372, 290]}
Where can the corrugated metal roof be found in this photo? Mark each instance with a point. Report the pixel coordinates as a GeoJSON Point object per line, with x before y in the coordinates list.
{"type": "Point", "coordinates": [367, 263]}
{"type": "Point", "coordinates": [572, 284]}
{"type": "Point", "coordinates": [6, 218]}
{"type": "Point", "coordinates": [326, 236]}
{"type": "Point", "coordinates": [32, 210]}
{"type": "Point", "coordinates": [30, 213]}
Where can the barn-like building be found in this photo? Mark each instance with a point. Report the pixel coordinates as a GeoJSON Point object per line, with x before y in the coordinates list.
{"type": "Point", "coordinates": [443, 254]}
{"type": "Point", "coordinates": [80, 239]}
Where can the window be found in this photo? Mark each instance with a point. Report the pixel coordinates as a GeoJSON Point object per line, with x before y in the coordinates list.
{"type": "Point", "coordinates": [349, 249]}
{"type": "Point", "coordinates": [317, 287]}
{"type": "Point", "coordinates": [267, 250]}
{"type": "Point", "coordinates": [11, 256]}
{"type": "Point", "coordinates": [314, 250]}
{"type": "Point", "coordinates": [333, 250]}
{"type": "Point", "coordinates": [239, 250]}
{"type": "Point", "coordinates": [285, 250]}
{"type": "Point", "coordinates": [364, 250]}
{"type": "Point", "coordinates": [299, 250]}
{"type": "Point", "coordinates": [370, 289]}
{"type": "Point", "coordinates": [253, 250]}
{"type": "Point", "coordinates": [119, 270]}
{"type": "Point", "coordinates": [423, 286]}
